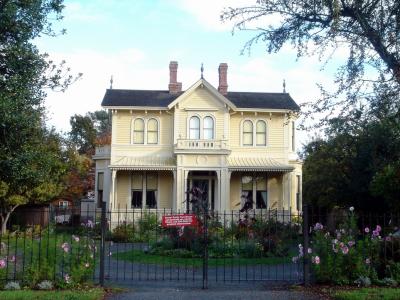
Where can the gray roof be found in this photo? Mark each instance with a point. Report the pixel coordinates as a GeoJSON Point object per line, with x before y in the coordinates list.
{"type": "Point", "coordinates": [154, 98]}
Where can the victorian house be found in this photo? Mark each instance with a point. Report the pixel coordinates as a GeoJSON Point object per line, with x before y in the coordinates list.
{"type": "Point", "coordinates": [234, 146]}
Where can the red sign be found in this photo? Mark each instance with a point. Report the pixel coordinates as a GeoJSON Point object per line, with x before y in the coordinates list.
{"type": "Point", "coordinates": [179, 220]}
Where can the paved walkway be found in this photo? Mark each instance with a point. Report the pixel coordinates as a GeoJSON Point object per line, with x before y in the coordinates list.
{"type": "Point", "coordinates": [253, 291]}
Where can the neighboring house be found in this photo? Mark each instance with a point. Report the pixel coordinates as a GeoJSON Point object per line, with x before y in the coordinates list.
{"type": "Point", "coordinates": [233, 145]}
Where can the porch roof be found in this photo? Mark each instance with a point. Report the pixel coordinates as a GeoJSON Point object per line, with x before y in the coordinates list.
{"type": "Point", "coordinates": [257, 164]}
{"type": "Point", "coordinates": [143, 163]}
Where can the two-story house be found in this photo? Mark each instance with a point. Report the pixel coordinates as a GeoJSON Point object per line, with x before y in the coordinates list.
{"type": "Point", "coordinates": [235, 146]}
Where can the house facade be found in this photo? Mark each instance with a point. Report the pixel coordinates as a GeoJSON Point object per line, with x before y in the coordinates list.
{"type": "Point", "coordinates": [236, 147]}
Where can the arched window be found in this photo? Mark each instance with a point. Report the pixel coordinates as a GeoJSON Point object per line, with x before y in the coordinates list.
{"type": "Point", "coordinates": [194, 128]}
{"type": "Point", "coordinates": [247, 133]}
{"type": "Point", "coordinates": [208, 128]}
{"type": "Point", "coordinates": [152, 131]}
{"type": "Point", "coordinates": [261, 133]}
{"type": "Point", "coordinates": [138, 131]}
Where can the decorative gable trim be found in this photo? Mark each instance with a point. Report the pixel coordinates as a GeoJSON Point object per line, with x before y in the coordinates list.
{"type": "Point", "coordinates": [203, 83]}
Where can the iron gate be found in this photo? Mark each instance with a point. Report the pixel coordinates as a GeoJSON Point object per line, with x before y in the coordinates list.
{"type": "Point", "coordinates": [223, 247]}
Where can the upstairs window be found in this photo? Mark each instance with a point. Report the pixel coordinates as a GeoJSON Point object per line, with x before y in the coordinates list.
{"type": "Point", "coordinates": [247, 133]}
{"type": "Point", "coordinates": [138, 131]}
{"type": "Point", "coordinates": [152, 131]}
{"type": "Point", "coordinates": [261, 133]}
{"type": "Point", "coordinates": [194, 128]}
{"type": "Point", "coordinates": [208, 128]}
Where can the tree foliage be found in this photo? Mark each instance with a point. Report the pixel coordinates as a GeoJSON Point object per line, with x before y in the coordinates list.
{"type": "Point", "coordinates": [31, 159]}
{"type": "Point", "coordinates": [368, 29]}
{"type": "Point", "coordinates": [358, 163]}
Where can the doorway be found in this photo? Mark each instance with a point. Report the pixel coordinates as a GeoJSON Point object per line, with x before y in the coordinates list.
{"type": "Point", "coordinates": [205, 181]}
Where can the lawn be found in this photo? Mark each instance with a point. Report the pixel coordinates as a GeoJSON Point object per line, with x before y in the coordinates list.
{"type": "Point", "coordinates": [91, 294]}
{"type": "Point", "coordinates": [139, 256]}
{"type": "Point", "coordinates": [369, 294]}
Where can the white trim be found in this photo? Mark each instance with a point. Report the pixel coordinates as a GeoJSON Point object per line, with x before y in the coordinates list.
{"type": "Point", "coordinates": [214, 127]}
{"type": "Point", "coordinates": [241, 132]}
{"type": "Point", "coordinates": [188, 124]}
{"type": "Point", "coordinates": [158, 131]}
{"type": "Point", "coordinates": [133, 130]}
{"type": "Point", "coordinates": [136, 107]}
{"type": "Point", "coordinates": [201, 109]}
{"type": "Point", "coordinates": [266, 133]}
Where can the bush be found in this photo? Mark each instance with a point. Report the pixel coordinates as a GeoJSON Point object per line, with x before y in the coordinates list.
{"type": "Point", "coordinates": [45, 285]}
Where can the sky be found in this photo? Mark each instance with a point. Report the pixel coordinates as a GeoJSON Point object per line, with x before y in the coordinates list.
{"type": "Point", "coordinates": [134, 41]}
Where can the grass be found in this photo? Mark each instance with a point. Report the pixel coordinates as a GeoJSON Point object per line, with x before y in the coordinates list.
{"type": "Point", "coordinates": [91, 294]}
{"type": "Point", "coordinates": [369, 294]}
{"type": "Point", "coordinates": [139, 256]}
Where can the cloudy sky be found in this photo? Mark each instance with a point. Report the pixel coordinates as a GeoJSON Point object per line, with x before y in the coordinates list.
{"type": "Point", "coordinates": [135, 40]}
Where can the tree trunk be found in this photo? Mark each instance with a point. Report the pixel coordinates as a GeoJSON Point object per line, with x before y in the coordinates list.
{"type": "Point", "coordinates": [4, 219]}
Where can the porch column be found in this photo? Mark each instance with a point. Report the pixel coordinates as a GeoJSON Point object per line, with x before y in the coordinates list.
{"type": "Point", "coordinates": [223, 187]}
{"type": "Point", "coordinates": [174, 185]}
{"type": "Point", "coordinates": [287, 193]}
{"type": "Point", "coordinates": [184, 196]}
{"type": "Point", "coordinates": [228, 191]}
{"type": "Point", "coordinates": [113, 178]}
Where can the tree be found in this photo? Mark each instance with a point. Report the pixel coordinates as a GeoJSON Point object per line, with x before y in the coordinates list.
{"type": "Point", "coordinates": [86, 129]}
{"type": "Point", "coordinates": [31, 162]}
{"type": "Point", "coordinates": [369, 29]}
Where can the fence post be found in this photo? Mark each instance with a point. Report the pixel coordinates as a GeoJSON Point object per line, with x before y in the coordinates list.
{"type": "Point", "coordinates": [103, 241]}
{"type": "Point", "coordinates": [205, 250]}
{"type": "Point", "coordinates": [306, 242]}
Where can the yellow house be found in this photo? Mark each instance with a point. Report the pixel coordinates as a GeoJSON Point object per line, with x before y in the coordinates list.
{"type": "Point", "coordinates": [235, 146]}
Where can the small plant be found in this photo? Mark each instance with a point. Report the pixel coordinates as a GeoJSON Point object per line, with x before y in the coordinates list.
{"type": "Point", "coordinates": [45, 285]}
{"type": "Point", "coordinates": [363, 281]}
{"type": "Point", "coordinates": [389, 282]}
{"type": "Point", "coordinates": [12, 286]}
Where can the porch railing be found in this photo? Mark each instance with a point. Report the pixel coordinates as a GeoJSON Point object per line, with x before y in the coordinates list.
{"type": "Point", "coordinates": [197, 144]}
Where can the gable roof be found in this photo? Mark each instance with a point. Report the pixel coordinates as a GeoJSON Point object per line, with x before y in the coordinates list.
{"type": "Point", "coordinates": [202, 83]}
{"type": "Point", "coordinates": [162, 99]}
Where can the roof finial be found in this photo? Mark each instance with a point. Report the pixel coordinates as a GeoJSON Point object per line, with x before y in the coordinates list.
{"type": "Point", "coordinates": [202, 70]}
{"type": "Point", "coordinates": [111, 82]}
{"type": "Point", "coordinates": [284, 86]}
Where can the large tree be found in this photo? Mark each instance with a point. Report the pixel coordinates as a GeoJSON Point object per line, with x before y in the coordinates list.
{"type": "Point", "coordinates": [31, 163]}
{"type": "Point", "coordinates": [368, 29]}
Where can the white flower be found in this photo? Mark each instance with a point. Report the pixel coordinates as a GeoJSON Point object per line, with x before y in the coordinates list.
{"type": "Point", "coordinates": [351, 208]}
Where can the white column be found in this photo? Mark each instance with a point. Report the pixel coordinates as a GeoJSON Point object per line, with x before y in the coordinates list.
{"type": "Point", "coordinates": [228, 191]}
{"type": "Point", "coordinates": [184, 186]}
{"type": "Point", "coordinates": [219, 193]}
{"type": "Point", "coordinates": [113, 179]}
{"type": "Point", "coordinates": [174, 185]}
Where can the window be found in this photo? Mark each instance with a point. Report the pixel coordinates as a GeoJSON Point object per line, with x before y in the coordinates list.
{"type": "Point", "coordinates": [261, 133]}
{"type": "Point", "coordinates": [247, 133]}
{"type": "Point", "coordinates": [261, 191]}
{"type": "Point", "coordinates": [144, 189]}
{"type": "Point", "coordinates": [63, 204]}
{"type": "Point", "coordinates": [100, 183]}
{"type": "Point", "coordinates": [152, 131]}
{"type": "Point", "coordinates": [293, 137]}
{"type": "Point", "coordinates": [194, 128]}
{"type": "Point", "coordinates": [247, 192]}
{"type": "Point", "coordinates": [208, 128]}
{"type": "Point", "coordinates": [254, 184]}
{"type": "Point", "coordinates": [137, 190]}
{"type": "Point", "coordinates": [151, 190]}
{"type": "Point", "coordinates": [138, 131]}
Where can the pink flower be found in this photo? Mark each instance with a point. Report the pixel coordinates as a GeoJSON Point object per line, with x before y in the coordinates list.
{"type": "Point", "coordinates": [315, 260]}
{"type": "Point", "coordinates": [345, 250]}
{"type": "Point", "coordinates": [341, 245]}
{"type": "Point", "coordinates": [388, 239]}
{"type": "Point", "coordinates": [375, 233]}
{"type": "Point", "coordinates": [2, 263]}
{"type": "Point", "coordinates": [318, 226]}
{"type": "Point", "coordinates": [351, 243]}
{"type": "Point", "coordinates": [378, 228]}
{"type": "Point", "coordinates": [366, 230]}
{"type": "Point", "coordinates": [65, 247]}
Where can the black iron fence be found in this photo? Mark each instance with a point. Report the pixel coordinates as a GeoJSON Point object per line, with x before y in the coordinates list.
{"type": "Point", "coordinates": [136, 245]}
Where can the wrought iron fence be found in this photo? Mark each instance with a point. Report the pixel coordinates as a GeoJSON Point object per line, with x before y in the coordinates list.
{"type": "Point", "coordinates": [130, 244]}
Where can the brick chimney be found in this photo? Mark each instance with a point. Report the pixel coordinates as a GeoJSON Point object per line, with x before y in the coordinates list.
{"type": "Point", "coordinates": [223, 80]}
{"type": "Point", "coordinates": [174, 87]}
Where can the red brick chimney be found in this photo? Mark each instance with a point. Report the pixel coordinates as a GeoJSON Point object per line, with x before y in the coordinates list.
{"type": "Point", "coordinates": [174, 87]}
{"type": "Point", "coordinates": [223, 80]}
